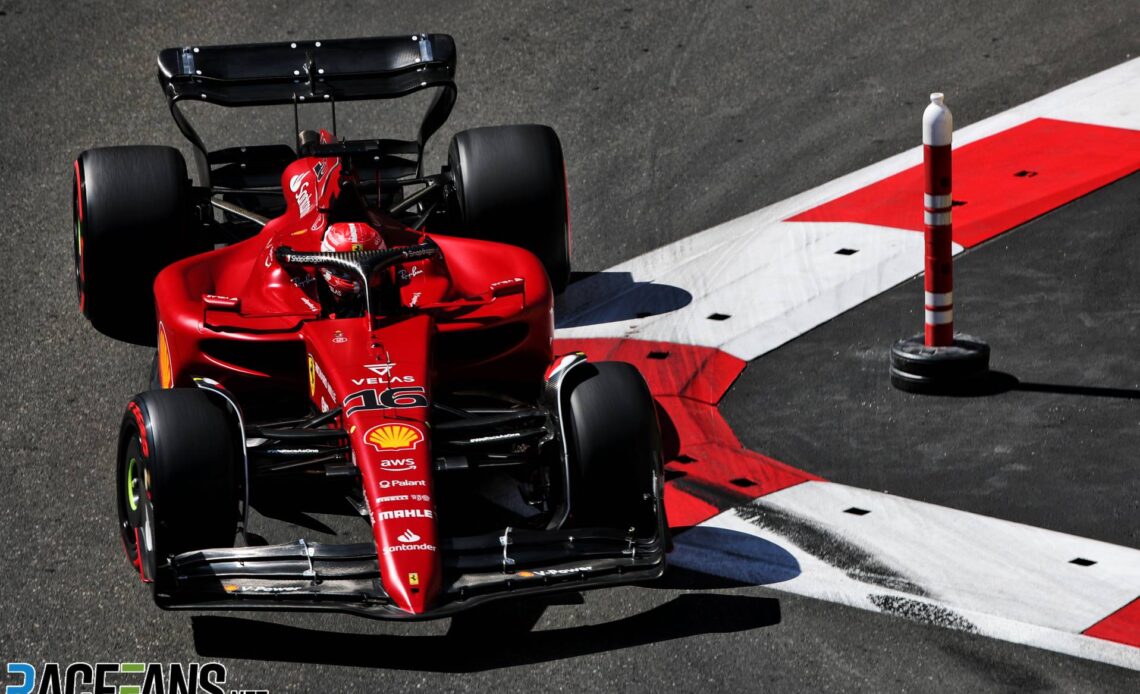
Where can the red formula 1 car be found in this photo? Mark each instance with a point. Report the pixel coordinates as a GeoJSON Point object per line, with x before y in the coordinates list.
{"type": "Point", "coordinates": [331, 313]}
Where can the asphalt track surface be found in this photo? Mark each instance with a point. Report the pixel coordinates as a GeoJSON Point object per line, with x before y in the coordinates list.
{"type": "Point", "coordinates": [675, 116]}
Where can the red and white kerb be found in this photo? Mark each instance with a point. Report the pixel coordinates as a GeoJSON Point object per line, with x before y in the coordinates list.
{"type": "Point", "coordinates": [937, 131]}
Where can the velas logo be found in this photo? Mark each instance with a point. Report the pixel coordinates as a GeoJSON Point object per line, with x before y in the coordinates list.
{"type": "Point", "coordinates": [383, 376]}
{"type": "Point", "coordinates": [381, 370]}
{"type": "Point", "coordinates": [394, 437]}
{"type": "Point", "coordinates": [148, 678]}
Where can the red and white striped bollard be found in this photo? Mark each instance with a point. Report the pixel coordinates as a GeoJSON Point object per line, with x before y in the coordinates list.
{"type": "Point", "coordinates": [937, 134]}
{"type": "Point", "coordinates": [938, 360]}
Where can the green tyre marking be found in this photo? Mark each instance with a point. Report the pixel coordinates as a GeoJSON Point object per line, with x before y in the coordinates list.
{"type": "Point", "coordinates": [131, 498]}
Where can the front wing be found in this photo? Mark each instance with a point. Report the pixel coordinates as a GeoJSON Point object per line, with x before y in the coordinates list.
{"type": "Point", "coordinates": [346, 578]}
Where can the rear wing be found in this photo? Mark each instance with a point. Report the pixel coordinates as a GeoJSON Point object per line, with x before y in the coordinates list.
{"type": "Point", "coordinates": [300, 72]}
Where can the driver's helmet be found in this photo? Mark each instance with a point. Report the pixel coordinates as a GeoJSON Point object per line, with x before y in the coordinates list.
{"type": "Point", "coordinates": [348, 236]}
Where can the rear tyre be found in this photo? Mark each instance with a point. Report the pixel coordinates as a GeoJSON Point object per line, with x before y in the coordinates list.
{"type": "Point", "coordinates": [132, 213]}
{"type": "Point", "coordinates": [615, 449]}
{"type": "Point", "coordinates": [177, 478]}
{"type": "Point", "coordinates": [510, 184]}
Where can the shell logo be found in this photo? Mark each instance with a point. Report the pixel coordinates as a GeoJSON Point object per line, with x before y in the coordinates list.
{"type": "Point", "coordinates": [394, 437]}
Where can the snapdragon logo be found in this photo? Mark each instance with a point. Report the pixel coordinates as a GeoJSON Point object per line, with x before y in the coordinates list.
{"type": "Point", "coordinates": [121, 678]}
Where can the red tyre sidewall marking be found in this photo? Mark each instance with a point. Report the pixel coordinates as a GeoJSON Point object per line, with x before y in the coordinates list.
{"type": "Point", "coordinates": [140, 424]}
{"type": "Point", "coordinates": [137, 413]}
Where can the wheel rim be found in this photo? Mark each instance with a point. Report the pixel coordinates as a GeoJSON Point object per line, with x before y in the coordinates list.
{"type": "Point", "coordinates": [133, 484]}
{"type": "Point", "coordinates": [131, 515]}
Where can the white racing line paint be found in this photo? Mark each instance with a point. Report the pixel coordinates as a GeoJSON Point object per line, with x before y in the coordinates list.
{"type": "Point", "coordinates": [946, 567]}
{"type": "Point", "coordinates": [777, 280]}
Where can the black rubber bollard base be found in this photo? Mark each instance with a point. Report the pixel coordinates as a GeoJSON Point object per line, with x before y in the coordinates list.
{"type": "Point", "coordinates": [917, 368]}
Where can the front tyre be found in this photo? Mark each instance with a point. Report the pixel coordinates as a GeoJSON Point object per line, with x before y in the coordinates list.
{"type": "Point", "coordinates": [614, 439]}
{"type": "Point", "coordinates": [177, 478]}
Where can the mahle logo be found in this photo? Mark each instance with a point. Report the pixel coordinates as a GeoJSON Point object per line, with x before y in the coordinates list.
{"type": "Point", "coordinates": [128, 678]}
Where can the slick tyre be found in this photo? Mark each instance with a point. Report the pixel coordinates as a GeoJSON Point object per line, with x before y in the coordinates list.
{"type": "Point", "coordinates": [614, 443]}
{"type": "Point", "coordinates": [510, 185]}
{"type": "Point", "coordinates": [177, 478]}
{"type": "Point", "coordinates": [132, 215]}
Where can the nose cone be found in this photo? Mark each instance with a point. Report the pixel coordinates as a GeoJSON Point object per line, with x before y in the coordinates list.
{"type": "Point", "coordinates": [409, 563]}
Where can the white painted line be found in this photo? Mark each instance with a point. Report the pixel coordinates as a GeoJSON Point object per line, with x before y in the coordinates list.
{"type": "Point", "coordinates": [988, 576]}
{"type": "Point", "coordinates": [778, 279]}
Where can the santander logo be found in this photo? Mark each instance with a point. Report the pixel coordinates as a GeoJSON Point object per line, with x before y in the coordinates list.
{"type": "Point", "coordinates": [408, 537]}
{"type": "Point", "coordinates": [301, 188]}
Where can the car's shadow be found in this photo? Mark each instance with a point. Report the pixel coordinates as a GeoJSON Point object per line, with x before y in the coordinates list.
{"type": "Point", "coordinates": [594, 298]}
{"type": "Point", "coordinates": [488, 638]}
